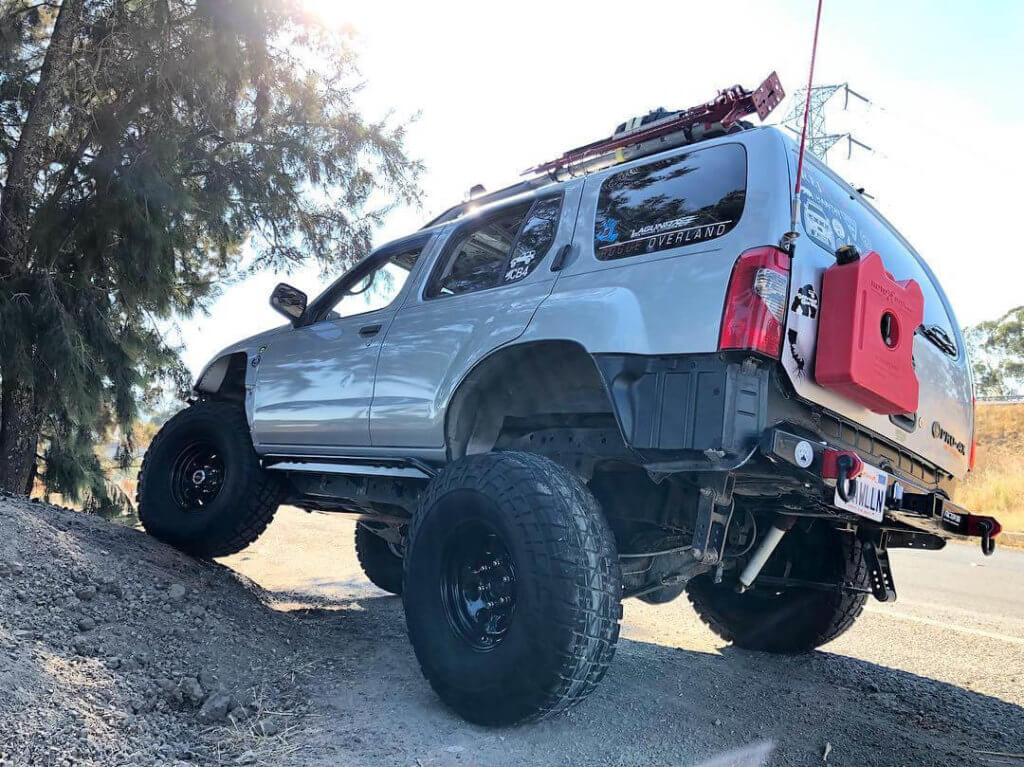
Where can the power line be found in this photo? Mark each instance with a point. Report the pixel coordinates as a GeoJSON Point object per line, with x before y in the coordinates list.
{"type": "Point", "coordinates": [819, 140]}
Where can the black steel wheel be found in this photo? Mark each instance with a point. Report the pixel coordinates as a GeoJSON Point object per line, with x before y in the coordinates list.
{"type": "Point", "coordinates": [201, 487]}
{"type": "Point", "coordinates": [478, 585]}
{"type": "Point", "coordinates": [511, 588]}
{"type": "Point", "coordinates": [197, 476]}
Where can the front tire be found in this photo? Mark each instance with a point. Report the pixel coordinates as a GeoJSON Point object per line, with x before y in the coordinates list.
{"type": "Point", "coordinates": [380, 560]}
{"type": "Point", "coordinates": [201, 486]}
{"type": "Point", "coordinates": [789, 620]}
{"type": "Point", "coordinates": [512, 588]}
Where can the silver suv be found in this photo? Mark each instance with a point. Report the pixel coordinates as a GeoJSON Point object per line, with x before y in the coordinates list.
{"type": "Point", "coordinates": [586, 387]}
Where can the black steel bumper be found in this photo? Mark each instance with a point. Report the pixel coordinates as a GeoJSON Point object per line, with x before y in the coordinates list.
{"type": "Point", "coordinates": [906, 502]}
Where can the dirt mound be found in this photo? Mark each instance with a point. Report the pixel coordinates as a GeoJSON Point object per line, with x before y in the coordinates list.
{"type": "Point", "coordinates": [116, 649]}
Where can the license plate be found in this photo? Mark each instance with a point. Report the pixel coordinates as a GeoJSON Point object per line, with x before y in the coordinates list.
{"type": "Point", "coordinates": [868, 496]}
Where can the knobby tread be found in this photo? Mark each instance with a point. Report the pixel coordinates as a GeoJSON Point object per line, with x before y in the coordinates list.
{"type": "Point", "coordinates": [571, 544]}
{"type": "Point", "coordinates": [828, 614]}
{"type": "Point", "coordinates": [250, 511]}
{"type": "Point", "coordinates": [379, 563]}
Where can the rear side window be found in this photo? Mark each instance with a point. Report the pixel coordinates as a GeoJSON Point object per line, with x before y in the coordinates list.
{"type": "Point", "coordinates": [501, 248]}
{"type": "Point", "coordinates": [535, 239]}
{"type": "Point", "coordinates": [832, 217]}
{"type": "Point", "coordinates": [678, 201]}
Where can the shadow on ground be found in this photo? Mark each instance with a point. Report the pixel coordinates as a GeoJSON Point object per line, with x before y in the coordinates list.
{"type": "Point", "coordinates": [657, 705]}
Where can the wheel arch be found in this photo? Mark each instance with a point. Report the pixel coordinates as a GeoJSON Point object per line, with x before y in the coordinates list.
{"type": "Point", "coordinates": [224, 378]}
{"type": "Point", "coordinates": [555, 377]}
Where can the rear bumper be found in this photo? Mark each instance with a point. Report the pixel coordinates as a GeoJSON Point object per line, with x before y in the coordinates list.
{"type": "Point", "coordinates": [731, 413]}
{"type": "Point", "coordinates": [907, 503]}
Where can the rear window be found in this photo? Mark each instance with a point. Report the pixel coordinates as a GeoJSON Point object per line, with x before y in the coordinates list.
{"type": "Point", "coordinates": [671, 203]}
{"type": "Point", "coordinates": [833, 217]}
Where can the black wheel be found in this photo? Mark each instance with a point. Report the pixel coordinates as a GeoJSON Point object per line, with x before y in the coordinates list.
{"type": "Point", "coordinates": [380, 559]}
{"type": "Point", "coordinates": [201, 487]}
{"type": "Point", "coordinates": [787, 619]}
{"type": "Point", "coordinates": [512, 588]}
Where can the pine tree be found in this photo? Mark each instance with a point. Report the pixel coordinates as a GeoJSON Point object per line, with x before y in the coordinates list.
{"type": "Point", "coordinates": [150, 151]}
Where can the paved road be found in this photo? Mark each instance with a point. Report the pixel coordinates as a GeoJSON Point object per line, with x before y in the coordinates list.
{"type": "Point", "coordinates": [962, 574]}
{"type": "Point", "coordinates": [934, 679]}
{"type": "Point", "coordinates": [961, 590]}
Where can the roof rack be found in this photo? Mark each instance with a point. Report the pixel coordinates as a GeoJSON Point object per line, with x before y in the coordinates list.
{"type": "Point", "coordinates": [660, 130]}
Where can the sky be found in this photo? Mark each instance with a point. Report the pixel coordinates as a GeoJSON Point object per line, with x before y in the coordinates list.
{"type": "Point", "coordinates": [499, 88]}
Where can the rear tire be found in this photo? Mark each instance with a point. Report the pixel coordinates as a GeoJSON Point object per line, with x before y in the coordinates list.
{"type": "Point", "coordinates": [791, 620]}
{"type": "Point", "coordinates": [378, 559]}
{"type": "Point", "coordinates": [512, 588]}
{"type": "Point", "coordinates": [201, 486]}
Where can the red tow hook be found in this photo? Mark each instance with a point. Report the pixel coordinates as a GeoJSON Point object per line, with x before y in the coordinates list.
{"type": "Point", "coordinates": [976, 526]}
{"type": "Point", "coordinates": [844, 466]}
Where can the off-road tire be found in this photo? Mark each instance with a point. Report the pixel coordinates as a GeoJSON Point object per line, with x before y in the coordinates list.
{"type": "Point", "coordinates": [245, 503]}
{"type": "Point", "coordinates": [797, 620]}
{"type": "Point", "coordinates": [379, 562]}
{"type": "Point", "coordinates": [562, 633]}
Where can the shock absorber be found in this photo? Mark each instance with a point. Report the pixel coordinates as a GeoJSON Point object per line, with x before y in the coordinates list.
{"type": "Point", "coordinates": [769, 543]}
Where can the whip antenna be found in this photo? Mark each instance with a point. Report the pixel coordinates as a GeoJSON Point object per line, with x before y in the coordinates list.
{"type": "Point", "coordinates": [792, 234]}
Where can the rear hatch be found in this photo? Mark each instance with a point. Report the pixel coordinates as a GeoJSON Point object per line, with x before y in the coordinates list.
{"type": "Point", "coordinates": [832, 215]}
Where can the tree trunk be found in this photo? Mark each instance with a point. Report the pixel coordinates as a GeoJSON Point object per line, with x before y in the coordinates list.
{"type": "Point", "coordinates": [20, 415]}
{"type": "Point", "coordinates": [19, 434]}
{"type": "Point", "coordinates": [29, 156]}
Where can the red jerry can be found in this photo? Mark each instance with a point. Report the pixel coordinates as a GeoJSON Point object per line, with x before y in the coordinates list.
{"type": "Point", "coordinates": [866, 335]}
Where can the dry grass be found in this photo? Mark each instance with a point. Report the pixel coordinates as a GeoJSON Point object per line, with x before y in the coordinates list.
{"type": "Point", "coordinates": [996, 486]}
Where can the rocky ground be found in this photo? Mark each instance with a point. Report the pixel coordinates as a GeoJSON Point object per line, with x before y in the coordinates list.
{"type": "Point", "coordinates": [116, 650]}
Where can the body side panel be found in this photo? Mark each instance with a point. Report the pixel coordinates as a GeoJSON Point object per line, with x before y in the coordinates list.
{"type": "Point", "coordinates": [433, 343]}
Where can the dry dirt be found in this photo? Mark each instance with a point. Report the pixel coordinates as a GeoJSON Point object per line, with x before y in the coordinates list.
{"type": "Point", "coordinates": [116, 650]}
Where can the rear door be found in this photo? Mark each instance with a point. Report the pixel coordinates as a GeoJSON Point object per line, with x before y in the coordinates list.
{"type": "Point", "coordinates": [492, 273]}
{"type": "Point", "coordinates": [833, 214]}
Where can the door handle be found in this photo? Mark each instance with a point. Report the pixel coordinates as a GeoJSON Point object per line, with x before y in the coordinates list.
{"type": "Point", "coordinates": [558, 262]}
{"type": "Point", "coordinates": [369, 330]}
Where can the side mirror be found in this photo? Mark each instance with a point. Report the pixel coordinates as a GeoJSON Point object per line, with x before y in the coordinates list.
{"type": "Point", "coordinates": [289, 301]}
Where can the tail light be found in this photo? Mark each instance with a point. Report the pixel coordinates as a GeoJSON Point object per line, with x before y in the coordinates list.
{"type": "Point", "coordinates": [755, 306]}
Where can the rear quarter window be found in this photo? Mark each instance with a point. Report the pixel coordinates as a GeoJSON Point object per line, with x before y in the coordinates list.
{"type": "Point", "coordinates": [670, 203]}
{"type": "Point", "coordinates": [833, 216]}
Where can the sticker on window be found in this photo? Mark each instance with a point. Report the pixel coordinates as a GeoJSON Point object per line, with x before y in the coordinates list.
{"type": "Point", "coordinates": [674, 202]}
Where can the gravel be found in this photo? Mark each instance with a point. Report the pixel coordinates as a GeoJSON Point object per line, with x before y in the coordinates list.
{"type": "Point", "coordinates": [101, 663]}
{"type": "Point", "coordinates": [117, 650]}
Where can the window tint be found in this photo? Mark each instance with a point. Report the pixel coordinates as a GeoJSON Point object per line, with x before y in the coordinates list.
{"type": "Point", "coordinates": [678, 201]}
{"type": "Point", "coordinates": [378, 288]}
{"type": "Point", "coordinates": [535, 239]}
{"type": "Point", "coordinates": [502, 248]}
{"type": "Point", "coordinates": [833, 216]}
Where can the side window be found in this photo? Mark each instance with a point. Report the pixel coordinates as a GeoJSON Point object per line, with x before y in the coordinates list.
{"type": "Point", "coordinates": [378, 288]}
{"type": "Point", "coordinates": [535, 239]}
{"type": "Point", "coordinates": [502, 248]}
{"type": "Point", "coordinates": [833, 216]}
{"type": "Point", "coordinates": [681, 200]}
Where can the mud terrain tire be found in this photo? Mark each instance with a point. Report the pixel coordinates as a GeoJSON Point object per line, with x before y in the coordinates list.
{"type": "Point", "coordinates": [234, 502]}
{"type": "Point", "coordinates": [379, 561]}
{"type": "Point", "coordinates": [795, 620]}
{"type": "Point", "coordinates": [538, 526]}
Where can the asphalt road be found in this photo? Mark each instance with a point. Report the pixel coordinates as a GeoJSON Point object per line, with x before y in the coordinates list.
{"type": "Point", "coordinates": [936, 678]}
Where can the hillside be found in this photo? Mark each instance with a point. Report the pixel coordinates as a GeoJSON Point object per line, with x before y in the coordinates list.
{"type": "Point", "coordinates": [117, 650]}
{"type": "Point", "coordinates": [996, 486]}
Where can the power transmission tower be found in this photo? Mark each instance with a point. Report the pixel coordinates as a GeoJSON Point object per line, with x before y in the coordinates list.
{"type": "Point", "coordinates": [819, 140]}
